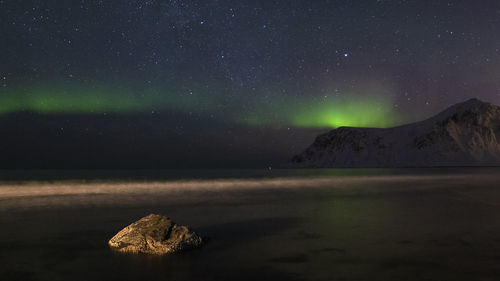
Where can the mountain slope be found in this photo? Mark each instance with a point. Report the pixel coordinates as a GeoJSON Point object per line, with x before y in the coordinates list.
{"type": "Point", "coordinates": [466, 134]}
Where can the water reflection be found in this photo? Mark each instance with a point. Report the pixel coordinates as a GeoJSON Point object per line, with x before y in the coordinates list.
{"type": "Point", "coordinates": [392, 227]}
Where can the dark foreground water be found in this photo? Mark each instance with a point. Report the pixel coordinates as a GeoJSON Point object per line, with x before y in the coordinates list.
{"type": "Point", "coordinates": [425, 224]}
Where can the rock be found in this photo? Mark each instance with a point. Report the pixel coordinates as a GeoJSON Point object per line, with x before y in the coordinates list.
{"type": "Point", "coordinates": [155, 234]}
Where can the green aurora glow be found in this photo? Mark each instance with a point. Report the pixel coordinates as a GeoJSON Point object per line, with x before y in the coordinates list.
{"type": "Point", "coordinates": [351, 114]}
{"type": "Point", "coordinates": [333, 113]}
{"type": "Point", "coordinates": [59, 102]}
{"type": "Point", "coordinates": [54, 101]}
{"type": "Point", "coordinates": [357, 111]}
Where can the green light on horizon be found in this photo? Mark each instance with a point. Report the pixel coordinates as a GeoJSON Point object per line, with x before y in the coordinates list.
{"type": "Point", "coordinates": [42, 100]}
{"type": "Point", "coordinates": [355, 112]}
{"type": "Point", "coordinates": [347, 114]}
{"type": "Point", "coordinates": [46, 101]}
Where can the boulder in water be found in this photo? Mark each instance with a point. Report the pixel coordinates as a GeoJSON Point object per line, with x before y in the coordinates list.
{"type": "Point", "coordinates": [155, 234]}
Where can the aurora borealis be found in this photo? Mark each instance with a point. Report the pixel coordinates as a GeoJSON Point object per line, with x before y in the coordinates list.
{"type": "Point", "coordinates": [228, 67]}
{"type": "Point", "coordinates": [368, 112]}
{"type": "Point", "coordinates": [93, 101]}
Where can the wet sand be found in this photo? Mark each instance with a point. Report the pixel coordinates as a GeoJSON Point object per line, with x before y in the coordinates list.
{"type": "Point", "coordinates": [412, 226]}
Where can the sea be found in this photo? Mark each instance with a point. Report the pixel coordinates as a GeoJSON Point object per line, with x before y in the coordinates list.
{"type": "Point", "coordinates": [269, 224]}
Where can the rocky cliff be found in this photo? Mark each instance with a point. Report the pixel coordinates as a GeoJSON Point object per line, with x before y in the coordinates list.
{"type": "Point", "coordinates": [466, 134]}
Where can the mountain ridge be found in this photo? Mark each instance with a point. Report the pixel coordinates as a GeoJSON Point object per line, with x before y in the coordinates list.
{"type": "Point", "coordinates": [464, 134]}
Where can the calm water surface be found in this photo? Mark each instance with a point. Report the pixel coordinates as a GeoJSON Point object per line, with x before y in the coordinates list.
{"type": "Point", "coordinates": [374, 224]}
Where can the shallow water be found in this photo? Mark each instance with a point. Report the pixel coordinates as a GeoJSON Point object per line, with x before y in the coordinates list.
{"type": "Point", "coordinates": [374, 224]}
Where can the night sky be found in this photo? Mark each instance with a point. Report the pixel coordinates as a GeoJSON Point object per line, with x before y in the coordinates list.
{"type": "Point", "coordinates": [228, 83]}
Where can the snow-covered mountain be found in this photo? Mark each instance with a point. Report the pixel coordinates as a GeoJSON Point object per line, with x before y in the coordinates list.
{"type": "Point", "coordinates": [466, 134]}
